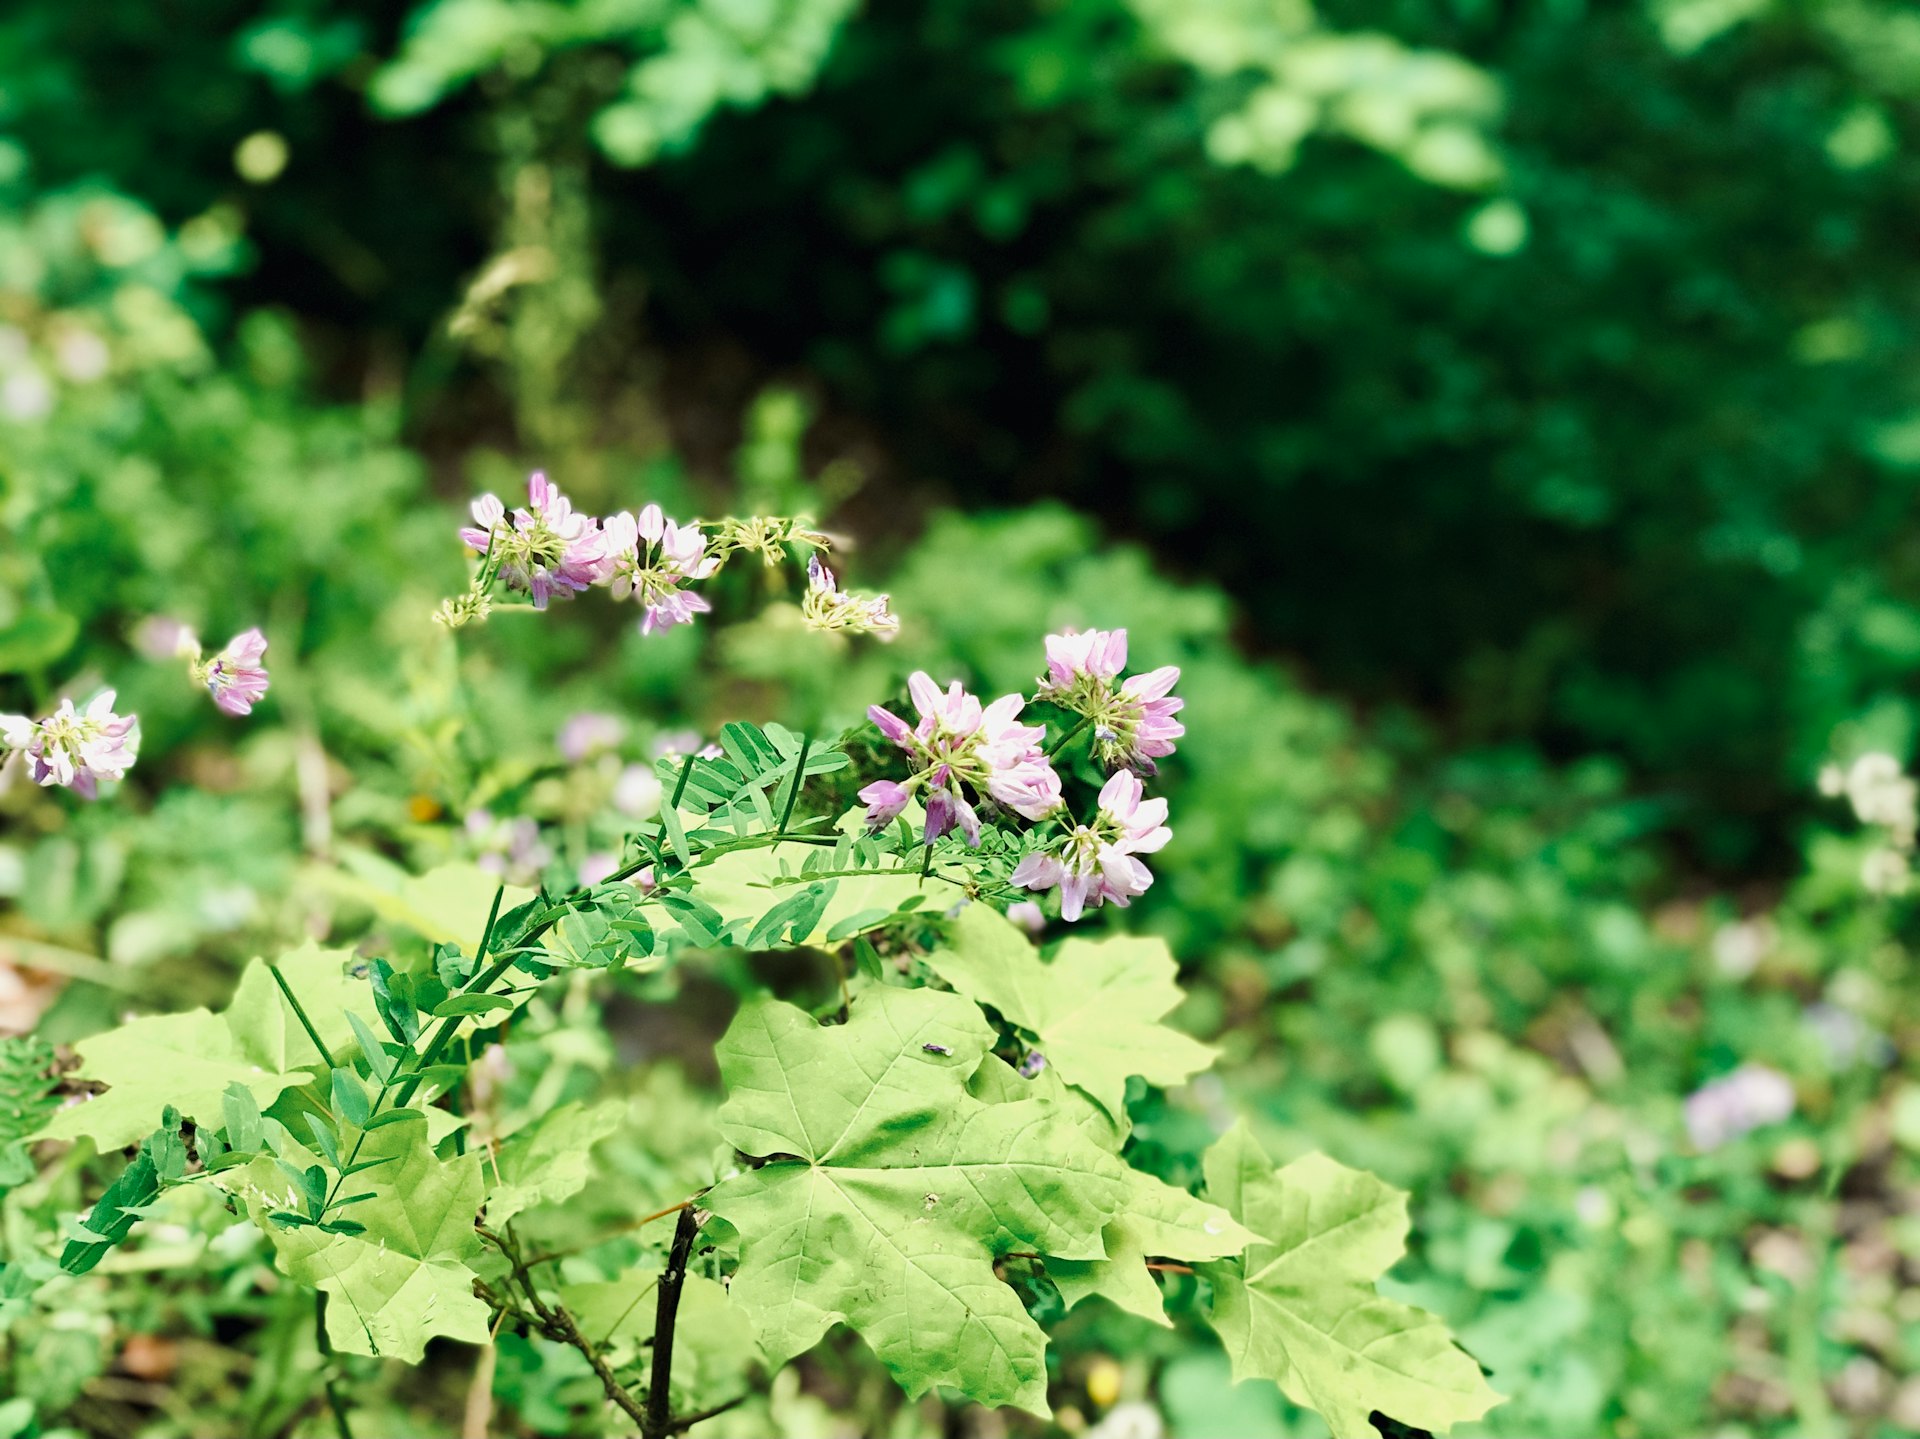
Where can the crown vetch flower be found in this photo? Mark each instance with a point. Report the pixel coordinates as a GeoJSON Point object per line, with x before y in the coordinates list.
{"type": "Point", "coordinates": [828, 607]}
{"type": "Point", "coordinates": [236, 677]}
{"type": "Point", "coordinates": [960, 742]}
{"type": "Point", "coordinates": [545, 549]}
{"type": "Point", "coordinates": [76, 748]}
{"type": "Point", "coordinates": [651, 558]}
{"type": "Point", "coordinates": [1098, 863]}
{"type": "Point", "coordinates": [1133, 720]}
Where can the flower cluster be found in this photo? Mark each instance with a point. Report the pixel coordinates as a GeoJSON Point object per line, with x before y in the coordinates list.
{"type": "Point", "coordinates": [75, 748]}
{"type": "Point", "coordinates": [1098, 862]}
{"type": "Point", "coordinates": [828, 607]}
{"type": "Point", "coordinates": [546, 549]}
{"type": "Point", "coordinates": [1133, 720]}
{"type": "Point", "coordinates": [959, 746]}
{"type": "Point", "coordinates": [542, 550]}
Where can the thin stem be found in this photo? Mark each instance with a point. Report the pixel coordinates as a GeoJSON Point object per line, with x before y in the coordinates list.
{"type": "Point", "coordinates": [300, 1013]}
{"type": "Point", "coordinates": [1067, 738]}
{"type": "Point", "coordinates": [658, 1422]}
{"type": "Point", "coordinates": [700, 1416]}
{"type": "Point", "coordinates": [627, 1228]}
{"type": "Point", "coordinates": [556, 1323]}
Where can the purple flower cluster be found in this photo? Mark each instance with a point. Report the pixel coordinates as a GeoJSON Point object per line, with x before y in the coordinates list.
{"type": "Point", "coordinates": [542, 550]}
{"type": "Point", "coordinates": [545, 549]}
{"type": "Point", "coordinates": [964, 753]}
{"type": "Point", "coordinates": [1133, 719]}
{"type": "Point", "coordinates": [75, 748]}
{"type": "Point", "coordinates": [960, 746]}
{"type": "Point", "coordinates": [1098, 863]}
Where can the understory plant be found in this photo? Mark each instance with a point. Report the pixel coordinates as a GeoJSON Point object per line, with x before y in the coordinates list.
{"type": "Point", "coordinates": [937, 1155]}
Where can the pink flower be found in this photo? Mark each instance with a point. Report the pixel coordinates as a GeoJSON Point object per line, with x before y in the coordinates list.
{"type": "Point", "coordinates": [1133, 722]}
{"type": "Point", "coordinates": [1097, 863]}
{"type": "Point", "coordinates": [75, 748]}
{"type": "Point", "coordinates": [958, 742]}
{"type": "Point", "coordinates": [827, 607]}
{"type": "Point", "coordinates": [542, 550]}
{"type": "Point", "coordinates": [235, 677]}
{"type": "Point", "coordinates": [884, 800]}
{"type": "Point", "coordinates": [652, 558]}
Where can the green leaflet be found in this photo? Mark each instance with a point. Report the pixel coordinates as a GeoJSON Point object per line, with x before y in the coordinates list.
{"type": "Point", "coordinates": [1096, 1005]}
{"type": "Point", "coordinates": [1301, 1309]}
{"type": "Point", "coordinates": [895, 1189]}
{"type": "Point", "coordinates": [741, 885]}
{"type": "Point", "coordinates": [406, 1278]}
{"type": "Point", "coordinates": [551, 1159]}
{"type": "Point", "coordinates": [714, 1348]}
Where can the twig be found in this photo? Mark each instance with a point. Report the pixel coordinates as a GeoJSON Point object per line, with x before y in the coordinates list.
{"type": "Point", "coordinates": [632, 1224]}
{"type": "Point", "coordinates": [687, 1421]}
{"type": "Point", "coordinates": [1164, 1267]}
{"type": "Point", "coordinates": [658, 1423]}
{"type": "Point", "coordinates": [556, 1323]}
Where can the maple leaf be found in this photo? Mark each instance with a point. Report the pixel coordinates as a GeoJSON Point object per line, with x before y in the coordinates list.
{"type": "Point", "coordinates": [1096, 1005]}
{"type": "Point", "coordinates": [890, 1190]}
{"type": "Point", "coordinates": [1300, 1307]}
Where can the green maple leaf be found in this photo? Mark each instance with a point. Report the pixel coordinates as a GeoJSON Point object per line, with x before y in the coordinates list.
{"type": "Point", "coordinates": [1300, 1307]}
{"type": "Point", "coordinates": [1096, 1005]}
{"type": "Point", "coordinates": [406, 1278]}
{"type": "Point", "coordinates": [1156, 1219]}
{"type": "Point", "coordinates": [550, 1160]}
{"type": "Point", "coordinates": [890, 1190]}
{"type": "Point", "coordinates": [186, 1060]}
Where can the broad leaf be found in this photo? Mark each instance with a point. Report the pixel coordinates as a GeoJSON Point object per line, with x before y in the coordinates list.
{"type": "Point", "coordinates": [265, 1024]}
{"type": "Point", "coordinates": [1156, 1220]}
{"type": "Point", "coordinates": [184, 1060]}
{"type": "Point", "coordinates": [1300, 1308]}
{"type": "Point", "coordinates": [890, 1190]}
{"type": "Point", "coordinates": [550, 1160]}
{"type": "Point", "coordinates": [406, 1278]}
{"type": "Point", "coordinates": [447, 905]}
{"type": "Point", "coordinates": [1096, 1005]}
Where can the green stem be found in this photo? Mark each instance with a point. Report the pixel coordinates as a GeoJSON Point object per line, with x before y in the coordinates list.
{"type": "Point", "coordinates": [1067, 738]}
{"type": "Point", "coordinates": [300, 1013]}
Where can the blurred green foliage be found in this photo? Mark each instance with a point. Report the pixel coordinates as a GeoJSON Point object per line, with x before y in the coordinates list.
{"type": "Point", "coordinates": [1533, 376]}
